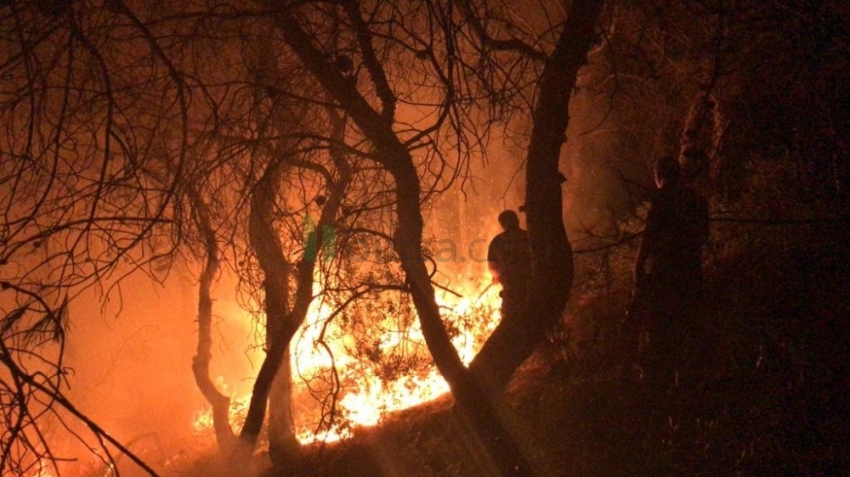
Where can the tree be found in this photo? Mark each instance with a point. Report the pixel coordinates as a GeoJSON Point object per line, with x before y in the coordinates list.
{"type": "Point", "coordinates": [461, 63]}
{"type": "Point", "coordinates": [89, 165]}
{"type": "Point", "coordinates": [373, 110]}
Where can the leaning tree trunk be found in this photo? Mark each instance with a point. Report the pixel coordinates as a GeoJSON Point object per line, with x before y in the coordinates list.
{"type": "Point", "coordinates": [512, 342]}
{"type": "Point", "coordinates": [282, 321]}
{"type": "Point", "coordinates": [201, 362]}
{"type": "Point", "coordinates": [705, 125]}
{"type": "Point", "coordinates": [276, 271]}
{"type": "Point", "coordinates": [283, 442]}
{"type": "Point", "coordinates": [477, 408]}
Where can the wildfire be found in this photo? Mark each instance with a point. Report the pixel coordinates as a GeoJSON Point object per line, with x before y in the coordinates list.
{"type": "Point", "coordinates": [366, 397]}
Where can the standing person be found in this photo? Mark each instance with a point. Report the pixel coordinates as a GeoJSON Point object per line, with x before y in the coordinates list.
{"type": "Point", "coordinates": [668, 269]}
{"type": "Point", "coordinates": [509, 259]}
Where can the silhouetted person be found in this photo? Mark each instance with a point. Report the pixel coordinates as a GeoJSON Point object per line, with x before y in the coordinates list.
{"type": "Point", "coordinates": [509, 258]}
{"type": "Point", "coordinates": [668, 269]}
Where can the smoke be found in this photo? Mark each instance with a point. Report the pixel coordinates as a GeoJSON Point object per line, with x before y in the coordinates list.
{"type": "Point", "coordinates": [131, 354]}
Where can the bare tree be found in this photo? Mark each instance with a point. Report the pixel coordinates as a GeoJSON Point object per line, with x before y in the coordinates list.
{"type": "Point", "coordinates": [201, 362]}
{"type": "Point", "coordinates": [377, 64]}
{"type": "Point", "coordinates": [89, 163]}
{"type": "Point", "coordinates": [372, 106]}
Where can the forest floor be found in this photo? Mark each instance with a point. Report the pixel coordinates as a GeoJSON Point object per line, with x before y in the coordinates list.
{"type": "Point", "coordinates": [770, 398]}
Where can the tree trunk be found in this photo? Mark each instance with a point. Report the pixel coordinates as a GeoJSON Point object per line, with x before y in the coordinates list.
{"type": "Point", "coordinates": [552, 266]}
{"type": "Point", "coordinates": [282, 322]}
{"type": "Point", "coordinates": [201, 361]}
{"type": "Point", "coordinates": [702, 133]}
{"type": "Point", "coordinates": [276, 271]}
{"type": "Point", "coordinates": [283, 443]}
{"type": "Point", "coordinates": [701, 138]}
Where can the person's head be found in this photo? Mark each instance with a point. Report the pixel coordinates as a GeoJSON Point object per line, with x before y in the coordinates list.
{"type": "Point", "coordinates": [667, 170]}
{"type": "Point", "coordinates": [509, 220]}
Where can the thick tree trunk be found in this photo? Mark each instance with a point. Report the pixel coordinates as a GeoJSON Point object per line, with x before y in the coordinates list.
{"type": "Point", "coordinates": [513, 342]}
{"type": "Point", "coordinates": [276, 272]}
{"type": "Point", "coordinates": [203, 356]}
{"type": "Point", "coordinates": [503, 456]}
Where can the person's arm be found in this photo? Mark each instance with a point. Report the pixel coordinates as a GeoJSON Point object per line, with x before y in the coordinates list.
{"type": "Point", "coordinates": [492, 264]}
{"type": "Point", "coordinates": [494, 271]}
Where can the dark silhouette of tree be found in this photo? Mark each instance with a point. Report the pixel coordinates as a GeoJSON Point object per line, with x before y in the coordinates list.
{"type": "Point", "coordinates": [372, 106]}
{"type": "Point", "coordinates": [201, 362]}
{"type": "Point", "coordinates": [133, 136]}
{"type": "Point", "coordinates": [89, 163]}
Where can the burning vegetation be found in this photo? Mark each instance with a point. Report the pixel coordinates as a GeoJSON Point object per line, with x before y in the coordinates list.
{"type": "Point", "coordinates": [237, 235]}
{"type": "Point", "coordinates": [344, 379]}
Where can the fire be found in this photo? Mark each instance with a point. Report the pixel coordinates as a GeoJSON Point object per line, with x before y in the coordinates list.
{"type": "Point", "coordinates": [367, 405]}
{"type": "Point", "coordinates": [365, 396]}
{"type": "Point", "coordinates": [44, 470]}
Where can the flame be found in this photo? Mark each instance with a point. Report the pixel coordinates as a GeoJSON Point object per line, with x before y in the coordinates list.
{"type": "Point", "coordinates": [372, 401]}
{"type": "Point", "coordinates": [370, 397]}
{"type": "Point", "coordinates": [44, 470]}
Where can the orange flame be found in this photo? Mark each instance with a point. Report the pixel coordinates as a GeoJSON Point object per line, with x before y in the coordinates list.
{"type": "Point", "coordinates": [371, 398]}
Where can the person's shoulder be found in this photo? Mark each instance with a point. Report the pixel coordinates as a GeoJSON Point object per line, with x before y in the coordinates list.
{"type": "Point", "coordinates": [515, 235]}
